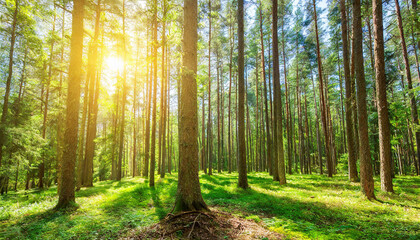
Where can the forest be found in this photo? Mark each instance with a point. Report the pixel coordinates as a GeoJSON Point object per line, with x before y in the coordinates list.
{"type": "Point", "coordinates": [209, 119]}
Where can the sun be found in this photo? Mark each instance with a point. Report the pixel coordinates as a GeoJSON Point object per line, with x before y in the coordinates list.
{"type": "Point", "coordinates": [113, 67]}
{"type": "Point", "coordinates": [114, 64]}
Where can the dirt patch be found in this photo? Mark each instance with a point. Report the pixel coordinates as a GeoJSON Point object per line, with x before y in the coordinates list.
{"type": "Point", "coordinates": [205, 225]}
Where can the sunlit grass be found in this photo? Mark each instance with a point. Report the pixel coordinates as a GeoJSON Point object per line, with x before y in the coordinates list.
{"type": "Point", "coordinates": [308, 207]}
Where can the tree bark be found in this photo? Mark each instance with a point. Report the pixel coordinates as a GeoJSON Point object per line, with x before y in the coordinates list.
{"type": "Point", "coordinates": [381, 96]}
{"type": "Point", "coordinates": [349, 122]}
{"type": "Point", "coordinates": [153, 141]}
{"type": "Point", "coordinates": [323, 99]}
{"type": "Point", "coordinates": [66, 194]}
{"type": "Point", "coordinates": [242, 168]}
{"type": "Point", "coordinates": [209, 120]}
{"type": "Point", "coordinates": [189, 193]}
{"type": "Point", "coordinates": [413, 102]}
{"type": "Point", "coordinates": [364, 148]}
{"type": "Point", "coordinates": [277, 99]}
{"type": "Point", "coordinates": [93, 104]}
{"type": "Point", "coordinates": [4, 178]}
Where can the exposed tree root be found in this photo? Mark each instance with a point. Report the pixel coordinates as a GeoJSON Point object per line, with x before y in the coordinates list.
{"type": "Point", "coordinates": [205, 225]}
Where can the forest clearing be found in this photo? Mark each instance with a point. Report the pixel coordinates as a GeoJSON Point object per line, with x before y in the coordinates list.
{"type": "Point", "coordinates": [209, 119]}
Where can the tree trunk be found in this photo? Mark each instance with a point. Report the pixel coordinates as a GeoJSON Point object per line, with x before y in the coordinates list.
{"type": "Point", "coordinates": [290, 159]}
{"type": "Point", "coordinates": [323, 99]}
{"type": "Point", "coordinates": [267, 119]}
{"type": "Point", "coordinates": [66, 194]}
{"type": "Point", "coordinates": [277, 100]}
{"type": "Point", "coordinates": [230, 147]}
{"type": "Point", "coordinates": [364, 149]}
{"type": "Point", "coordinates": [242, 180]}
{"type": "Point", "coordinates": [93, 104]}
{"type": "Point", "coordinates": [189, 193]}
{"type": "Point", "coordinates": [381, 96]}
{"type": "Point", "coordinates": [219, 156]}
{"type": "Point", "coordinates": [162, 147]}
{"type": "Point", "coordinates": [349, 118]}
{"type": "Point", "coordinates": [147, 134]}
{"type": "Point", "coordinates": [153, 142]}
{"type": "Point", "coordinates": [413, 102]}
{"type": "Point", "coordinates": [41, 168]}
{"type": "Point", "coordinates": [209, 120]}
{"type": "Point", "coordinates": [4, 178]}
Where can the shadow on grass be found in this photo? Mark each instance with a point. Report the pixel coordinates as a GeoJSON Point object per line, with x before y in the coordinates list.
{"type": "Point", "coordinates": [311, 219]}
{"type": "Point", "coordinates": [126, 204]}
{"type": "Point", "coordinates": [32, 226]}
{"type": "Point", "coordinates": [396, 204]}
{"type": "Point", "coordinates": [160, 211]}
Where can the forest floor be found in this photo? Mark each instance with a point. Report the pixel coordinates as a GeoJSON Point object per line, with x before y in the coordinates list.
{"type": "Point", "coordinates": [308, 207]}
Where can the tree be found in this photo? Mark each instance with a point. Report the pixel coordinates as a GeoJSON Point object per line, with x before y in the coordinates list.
{"type": "Point", "coordinates": [349, 122]}
{"type": "Point", "coordinates": [93, 103]}
{"type": "Point", "coordinates": [4, 178]}
{"type": "Point", "coordinates": [242, 179]}
{"type": "Point", "coordinates": [383, 118]}
{"type": "Point", "coordinates": [267, 119]}
{"type": "Point", "coordinates": [366, 177]}
{"type": "Point", "coordinates": [277, 100]}
{"type": "Point", "coordinates": [124, 99]}
{"type": "Point", "coordinates": [153, 142]}
{"type": "Point", "coordinates": [188, 196]}
{"type": "Point", "coordinates": [209, 118]}
{"type": "Point", "coordinates": [413, 102]}
{"type": "Point", "coordinates": [66, 194]}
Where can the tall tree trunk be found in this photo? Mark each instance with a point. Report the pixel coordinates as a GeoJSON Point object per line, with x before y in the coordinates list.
{"type": "Point", "coordinates": [41, 169]}
{"type": "Point", "coordinates": [66, 194]}
{"type": "Point", "coordinates": [219, 156]}
{"type": "Point", "coordinates": [188, 196]}
{"type": "Point", "coordinates": [257, 129]}
{"type": "Point", "coordinates": [147, 135]}
{"type": "Point", "coordinates": [343, 144]}
{"type": "Point", "coordinates": [230, 147]}
{"type": "Point", "coordinates": [277, 99]}
{"type": "Point", "coordinates": [267, 119]}
{"type": "Point", "coordinates": [4, 178]}
{"type": "Point", "coordinates": [383, 118]}
{"type": "Point", "coordinates": [318, 134]}
{"type": "Point", "coordinates": [209, 120]}
{"type": "Point", "coordinates": [203, 137]}
{"type": "Point", "coordinates": [242, 180]}
{"type": "Point", "coordinates": [299, 110]}
{"type": "Point", "coordinates": [162, 147]}
{"type": "Point", "coordinates": [93, 104]}
{"type": "Point", "coordinates": [60, 118]}
{"type": "Point", "coordinates": [364, 149]}
{"type": "Point", "coordinates": [153, 142]}
{"type": "Point", "coordinates": [288, 114]}
{"type": "Point", "coordinates": [323, 99]}
{"type": "Point", "coordinates": [135, 125]}
{"type": "Point", "coordinates": [123, 101]}
{"type": "Point", "coordinates": [168, 104]}
{"type": "Point", "coordinates": [413, 102]}
{"type": "Point", "coordinates": [349, 118]}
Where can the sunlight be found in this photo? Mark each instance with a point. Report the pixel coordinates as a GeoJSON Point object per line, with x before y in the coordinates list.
{"type": "Point", "coordinates": [114, 64]}
{"type": "Point", "coordinates": [113, 68]}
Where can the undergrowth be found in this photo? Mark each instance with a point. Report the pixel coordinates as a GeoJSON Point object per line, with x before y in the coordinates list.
{"type": "Point", "coordinates": [308, 207]}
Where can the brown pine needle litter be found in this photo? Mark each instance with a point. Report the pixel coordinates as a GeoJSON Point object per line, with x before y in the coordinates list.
{"type": "Point", "coordinates": [205, 225]}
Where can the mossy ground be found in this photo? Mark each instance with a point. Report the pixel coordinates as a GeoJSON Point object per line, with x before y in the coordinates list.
{"type": "Point", "coordinates": [308, 207]}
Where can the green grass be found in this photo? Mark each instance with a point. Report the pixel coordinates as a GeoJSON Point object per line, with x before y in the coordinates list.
{"type": "Point", "coordinates": [308, 207]}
